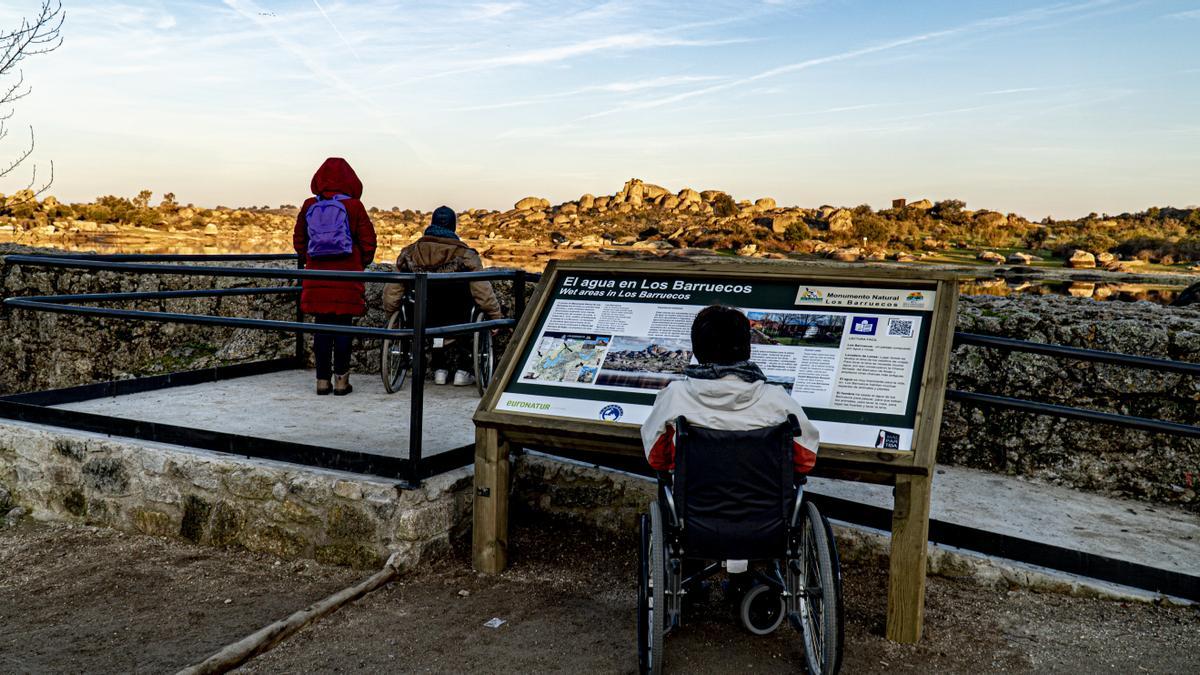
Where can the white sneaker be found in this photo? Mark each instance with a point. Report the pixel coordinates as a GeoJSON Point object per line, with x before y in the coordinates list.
{"type": "Point", "coordinates": [462, 378]}
{"type": "Point", "coordinates": [441, 376]}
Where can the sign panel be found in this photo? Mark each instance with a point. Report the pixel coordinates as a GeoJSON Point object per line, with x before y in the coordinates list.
{"type": "Point", "coordinates": [852, 355]}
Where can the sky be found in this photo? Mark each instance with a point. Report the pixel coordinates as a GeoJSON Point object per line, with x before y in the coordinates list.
{"type": "Point", "coordinates": [1034, 107]}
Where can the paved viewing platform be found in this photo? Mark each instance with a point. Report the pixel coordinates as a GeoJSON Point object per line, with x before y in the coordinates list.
{"type": "Point", "coordinates": [283, 406]}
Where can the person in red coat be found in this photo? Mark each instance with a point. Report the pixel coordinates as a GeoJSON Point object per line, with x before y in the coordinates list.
{"type": "Point", "coordinates": [329, 301]}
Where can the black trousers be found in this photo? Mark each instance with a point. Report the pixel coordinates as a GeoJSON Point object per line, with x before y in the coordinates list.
{"type": "Point", "coordinates": [454, 356]}
{"type": "Point", "coordinates": [332, 351]}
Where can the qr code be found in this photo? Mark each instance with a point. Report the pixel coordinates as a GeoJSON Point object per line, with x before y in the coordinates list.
{"type": "Point", "coordinates": [900, 327]}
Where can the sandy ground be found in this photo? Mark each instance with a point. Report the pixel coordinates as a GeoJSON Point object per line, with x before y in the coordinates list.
{"type": "Point", "coordinates": [96, 601]}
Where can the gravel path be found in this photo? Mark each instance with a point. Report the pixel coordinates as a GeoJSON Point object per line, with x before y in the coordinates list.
{"type": "Point", "coordinates": [85, 600]}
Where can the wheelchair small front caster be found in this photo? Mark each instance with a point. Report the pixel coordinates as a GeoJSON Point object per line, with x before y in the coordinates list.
{"type": "Point", "coordinates": [761, 609]}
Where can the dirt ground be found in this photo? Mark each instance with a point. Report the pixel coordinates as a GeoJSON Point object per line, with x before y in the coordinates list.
{"type": "Point", "coordinates": [96, 601]}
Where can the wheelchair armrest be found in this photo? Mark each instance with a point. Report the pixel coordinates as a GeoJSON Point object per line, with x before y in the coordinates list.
{"type": "Point", "coordinates": [666, 497]}
{"type": "Point", "coordinates": [799, 502]}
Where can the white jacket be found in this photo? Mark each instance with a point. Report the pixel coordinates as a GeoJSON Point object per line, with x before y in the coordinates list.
{"type": "Point", "coordinates": [728, 404]}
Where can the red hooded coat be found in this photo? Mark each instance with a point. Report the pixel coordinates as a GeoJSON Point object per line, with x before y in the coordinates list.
{"type": "Point", "coordinates": [336, 297]}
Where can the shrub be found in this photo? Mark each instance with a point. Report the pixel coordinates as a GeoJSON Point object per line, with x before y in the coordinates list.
{"type": "Point", "coordinates": [723, 205]}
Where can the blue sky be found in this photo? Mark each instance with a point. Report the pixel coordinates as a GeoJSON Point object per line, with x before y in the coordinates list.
{"type": "Point", "coordinates": [1039, 108]}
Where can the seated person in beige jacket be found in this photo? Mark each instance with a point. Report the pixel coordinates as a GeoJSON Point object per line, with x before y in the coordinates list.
{"type": "Point", "coordinates": [440, 250]}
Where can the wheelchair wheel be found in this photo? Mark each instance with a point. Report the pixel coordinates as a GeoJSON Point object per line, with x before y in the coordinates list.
{"type": "Point", "coordinates": [395, 354]}
{"type": "Point", "coordinates": [481, 354]}
{"type": "Point", "coordinates": [820, 603]}
{"type": "Point", "coordinates": [762, 609]}
{"type": "Point", "coordinates": [652, 602]}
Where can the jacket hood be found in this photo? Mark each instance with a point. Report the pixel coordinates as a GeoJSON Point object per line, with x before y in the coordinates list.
{"type": "Point", "coordinates": [728, 393]}
{"type": "Point", "coordinates": [336, 175]}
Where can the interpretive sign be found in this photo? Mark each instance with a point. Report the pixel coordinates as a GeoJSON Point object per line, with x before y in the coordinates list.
{"type": "Point", "coordinates": [852, 355]}
{"type": "Point", "coordinates": [864, 350]}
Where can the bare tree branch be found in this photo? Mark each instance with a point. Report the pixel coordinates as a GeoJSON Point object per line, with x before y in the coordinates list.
{"type": "Point", "coordinates": [40, 35]}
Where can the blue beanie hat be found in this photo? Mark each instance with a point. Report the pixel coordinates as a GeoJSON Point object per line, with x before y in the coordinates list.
{"type": "Point", "coordinates": [444, 218]}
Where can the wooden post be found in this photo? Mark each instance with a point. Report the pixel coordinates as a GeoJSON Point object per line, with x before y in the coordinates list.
{"type": "Point", "coordinates": [490, 530]}
{"type": "Point", "coordinates": [906, 576]}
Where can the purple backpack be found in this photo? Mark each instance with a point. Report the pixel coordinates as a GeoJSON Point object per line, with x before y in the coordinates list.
{"type": "Point", "coordinates": [328, 228]}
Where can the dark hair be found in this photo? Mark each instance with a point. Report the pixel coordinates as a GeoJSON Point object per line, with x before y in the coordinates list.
{"type": "Point", "coordinates": [720, 335]}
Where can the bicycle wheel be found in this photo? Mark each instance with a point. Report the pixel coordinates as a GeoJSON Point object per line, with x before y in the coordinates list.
{"type": "Point", "coordinates": [821, 597]}
{"type": "Point", "coordinates": [395, 354]}
{"type": "Point", "coordinates": [482, 354]}
{"type": "Point", "coordinates": [655, 631]}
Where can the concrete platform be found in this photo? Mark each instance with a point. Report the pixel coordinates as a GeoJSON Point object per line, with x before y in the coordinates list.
{"type": "Point", "coordinates": [283, 406]}
{"type": "Point", "coordinates": [1160, 537]}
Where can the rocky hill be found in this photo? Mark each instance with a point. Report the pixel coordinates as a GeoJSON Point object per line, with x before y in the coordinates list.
{"type": "Point", "coordinates": [640, 219]}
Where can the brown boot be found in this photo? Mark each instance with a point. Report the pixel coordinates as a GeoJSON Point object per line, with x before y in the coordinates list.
{"type": "Point", "coordinates": [324, 388]}
{"type": "Point", "coordinates": [341, 385]}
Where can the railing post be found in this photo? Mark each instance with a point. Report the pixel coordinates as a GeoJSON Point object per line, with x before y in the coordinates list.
{"type": "Point", "coordinates": [417, 412]}
{"type": "Point", "coordinates": [300, 358]}
{"type": "Point", "coordinates": [519, 294]}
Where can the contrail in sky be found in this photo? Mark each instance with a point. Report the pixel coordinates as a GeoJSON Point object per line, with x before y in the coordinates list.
{"type": "Point", "coordinates": [337, 30]}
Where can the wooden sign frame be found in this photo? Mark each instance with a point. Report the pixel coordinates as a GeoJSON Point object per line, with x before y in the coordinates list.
{"type": "Point", "coordinates": [910, 471]}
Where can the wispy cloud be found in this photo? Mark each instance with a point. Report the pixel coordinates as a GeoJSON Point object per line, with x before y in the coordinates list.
{"type": "Point", "coordinates": [1015, 90]}
{"type": "Point", "coordinates": [337, 30]}
{"type": "Point", "coordinates": [1187, 14]}
{"type": "Point", "coordinates": [985, 25]}
{"type": "Point", "coordinates": [623, 87]}
{"type": "Point", "coordinates": [491, 10]}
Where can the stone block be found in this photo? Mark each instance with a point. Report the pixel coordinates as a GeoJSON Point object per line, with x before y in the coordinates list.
{"type": "Point", "coordinates": [358, 556]}
{"type": "Point", "coordinates": [250, 484]}
{"type": "Point", "coordinates": [427, 521]}
{"type": "Point", "coordinates": [154, 523]}
{"type": "Point", "coordinates": [196, 512]}
{"type": "Point", "coordinates": [274, 540]}
{"type": "Point", "coordinates": [106, 475]}
{"type": "Point", "coordinates": [225, 524]}
{"type": "Point", "coordinates": [347, 523]}
{"type": "Point", "coordinates": [345, 489]}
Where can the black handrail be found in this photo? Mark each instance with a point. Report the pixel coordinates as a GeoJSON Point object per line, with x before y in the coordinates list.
{"type": "Point", "coordinates": [154, 264]}
{"type": "Point", "coordinates": [1012, 344]}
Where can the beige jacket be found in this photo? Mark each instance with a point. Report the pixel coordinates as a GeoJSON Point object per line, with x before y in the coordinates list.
{"type": "Point", "coordinates": [441, 254]}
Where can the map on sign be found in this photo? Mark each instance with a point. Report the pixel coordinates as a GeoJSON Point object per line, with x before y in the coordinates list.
{"type": "Point", "coordinates": [566, 357]}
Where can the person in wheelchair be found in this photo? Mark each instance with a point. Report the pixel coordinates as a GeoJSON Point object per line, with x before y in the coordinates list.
{"type": "Point", "coordinates": [441, 250]}
{"type": "Point", "coordinates": [725, 391]}
{"type": "Point", "coordinates": [731, 452]}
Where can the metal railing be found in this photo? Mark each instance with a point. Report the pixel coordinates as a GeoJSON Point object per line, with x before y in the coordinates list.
{"type": "Point", "coordinates": [1080, 354]}
{"type": "Point", "coordinates": [36, 406]}
{"type": "Point", "coordinates": [421, 282]}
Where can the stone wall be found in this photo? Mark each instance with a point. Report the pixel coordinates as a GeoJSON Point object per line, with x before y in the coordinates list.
{"type": "Point", "coordinates": [46, 351]}
{"type": "Point", "coordinates": [285, 510]}
{"type": "Point", "coordinates": [1157, 468]}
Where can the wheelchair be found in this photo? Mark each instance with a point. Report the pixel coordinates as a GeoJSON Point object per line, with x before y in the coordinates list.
{"type": "Point", "coordinates": [448, 304]}
{"type": "Point", "coordinates": [733, 496]}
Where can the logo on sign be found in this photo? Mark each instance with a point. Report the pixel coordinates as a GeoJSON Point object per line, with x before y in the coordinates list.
{"type": "Point", "coordinates": [888, 440]}
{"type": "Point", "coordinates": [612, 412]}
{"type": "Point", "coordinates": [915, 298]}
{"type": "Point", "coordinates": [808, 295]}
{"type": "Point", "coordinates": [864, 325]}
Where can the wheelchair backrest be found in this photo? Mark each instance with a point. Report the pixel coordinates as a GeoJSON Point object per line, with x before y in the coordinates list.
{"type": "Point", "coordinates": [448, 303]}
{"type": "Point", "coordinates": [733, 490]}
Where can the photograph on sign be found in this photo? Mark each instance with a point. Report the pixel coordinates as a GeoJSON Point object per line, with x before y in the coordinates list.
{"type": "Point", "coordinates": [852, 356]}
